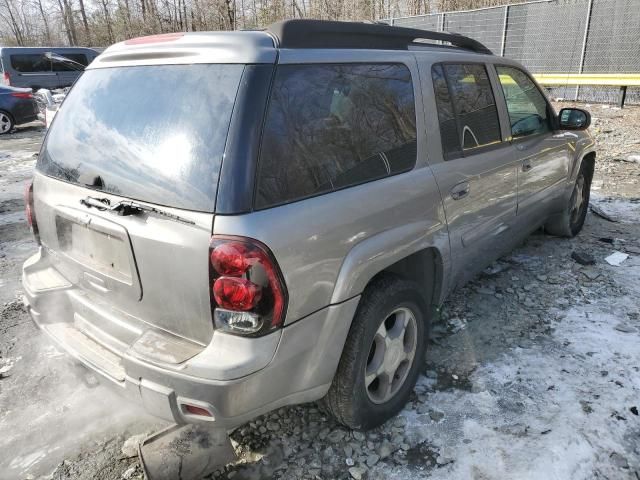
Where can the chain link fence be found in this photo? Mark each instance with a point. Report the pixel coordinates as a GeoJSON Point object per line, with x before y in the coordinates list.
{"type": "Point", "coordinates": [555, 36]}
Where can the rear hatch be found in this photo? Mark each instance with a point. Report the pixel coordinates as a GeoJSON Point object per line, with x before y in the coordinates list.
{"type": "Point", "coordinates": [124, 196]}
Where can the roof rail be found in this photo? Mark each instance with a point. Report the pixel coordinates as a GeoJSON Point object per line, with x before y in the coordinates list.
{"type": "Point", "coordinates": [301, 33]}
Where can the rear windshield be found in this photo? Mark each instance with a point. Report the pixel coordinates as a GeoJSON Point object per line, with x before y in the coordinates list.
{"type": "Point", "coordinates": [152, 133]}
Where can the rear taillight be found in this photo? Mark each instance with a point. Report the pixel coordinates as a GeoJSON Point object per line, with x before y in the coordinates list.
{"type": "Point", "coordinates": [248, 296]}
{"type": "Point", "coordinates": [22, 95]}
{"type": "Point", "coordinates": [6, 79]}
{"type": "Point", "coordinates": [236, 293]}
{"type": "Point", "coordinates": [29, 211]}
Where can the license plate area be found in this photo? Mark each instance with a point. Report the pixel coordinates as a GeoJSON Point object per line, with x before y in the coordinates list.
{"type": "Point", "coordinates": [101, 252]}
{"type": "Point", "coordinates": [98, 250]}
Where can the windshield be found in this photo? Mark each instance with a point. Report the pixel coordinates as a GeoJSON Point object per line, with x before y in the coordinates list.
{"type": "Point", "coordinates": [153, 133]}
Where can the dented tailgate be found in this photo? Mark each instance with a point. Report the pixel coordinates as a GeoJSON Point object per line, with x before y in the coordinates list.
{"type": "Point", "coordinates": [129, 273]}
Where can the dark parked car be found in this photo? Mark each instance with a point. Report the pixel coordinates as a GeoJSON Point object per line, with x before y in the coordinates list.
{"type": "Point", "coordinates": [17, 106]}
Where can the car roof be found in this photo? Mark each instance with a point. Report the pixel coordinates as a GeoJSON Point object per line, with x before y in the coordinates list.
{"type": "Point", "coordinates": [302, 33]}
{"type": "Point", "coordinates": [262, 46]}
{"type": "Point", "coordinates": [191, 47]}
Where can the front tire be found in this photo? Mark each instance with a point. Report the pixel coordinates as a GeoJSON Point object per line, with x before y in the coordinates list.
{"type": "Point", "coordinates": [570, 222]}
{"type": "Point", "coordinates": [382, 356]}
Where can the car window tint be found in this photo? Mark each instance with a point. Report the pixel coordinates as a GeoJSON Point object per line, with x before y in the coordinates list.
{"type": "Point", "coordinates": [474, 105]}
{"type": "Point", "coordinates": [528, 111]}
{"type": "Point", "coordinates": [119, 131]}
{"type": "Point", "coordinates": [334, 126]}
{"type": "Point", "coordinates": [76, 57]}
{"type": "Point", "coordinates": [446, 116]}
{"type": "Point", "coordinates": [60, 66]}
{"type": "Point", "coordinates": [32, 62]}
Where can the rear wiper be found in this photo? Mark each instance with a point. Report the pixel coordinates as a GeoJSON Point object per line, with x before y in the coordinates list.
{"type": "Point", "coordinates": [128, 207]}
{"type": "Point", "coordinates": [99, 203]}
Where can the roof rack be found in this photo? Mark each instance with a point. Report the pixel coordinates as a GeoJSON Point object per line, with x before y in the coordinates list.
{"type": "Point", "coordinates": [303, 33]}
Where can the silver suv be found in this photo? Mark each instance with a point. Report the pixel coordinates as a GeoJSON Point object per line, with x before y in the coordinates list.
{"type": "Point", "coordinates": [233, 222]}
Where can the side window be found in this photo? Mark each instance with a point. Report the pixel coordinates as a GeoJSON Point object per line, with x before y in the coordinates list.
{"type": "Point", "coordinates": [466, 108]}
{"type": "Point", "coordinates": [333, 126]}
{"type": "Point", "coordinates": [528, 111]}
{"type": "Point", "coordinates": [81, 58]}
{"type": "Point", "coordinates": [30, 63]}
{"type": "Point", "coordinates": [61, 66]}
{"type": "Point", "coordinates": [446, 116]}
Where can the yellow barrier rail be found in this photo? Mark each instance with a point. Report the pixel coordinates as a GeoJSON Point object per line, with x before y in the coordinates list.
{"type": "Point", "coordinates": [596, 79]}
{"type": "Point", "coordinates": [622, 80]}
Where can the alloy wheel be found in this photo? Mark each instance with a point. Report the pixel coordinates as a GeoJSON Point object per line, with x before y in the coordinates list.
{"type": "Point", "coordinates": [391, 355]}
{"type": "Point", "coordinates": [578, 199]}
{"type": "Point", "coordinates": [5, 123]}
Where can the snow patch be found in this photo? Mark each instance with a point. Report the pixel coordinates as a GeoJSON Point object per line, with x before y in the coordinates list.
{"type": "Point", "coordinates": [621, 210]}
{"type": "Point", "coordinates": [562, 408]}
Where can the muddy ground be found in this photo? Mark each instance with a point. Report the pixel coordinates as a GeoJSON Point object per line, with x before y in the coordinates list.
{"type": "Point", "coordinates": [532, 370]}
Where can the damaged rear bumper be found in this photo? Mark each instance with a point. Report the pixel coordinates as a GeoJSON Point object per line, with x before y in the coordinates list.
{"type": "Point", "coordinates": [299, 368]}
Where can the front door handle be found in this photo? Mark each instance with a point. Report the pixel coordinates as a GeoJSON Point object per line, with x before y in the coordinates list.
{"type": "Point", "coordinates": [461, 190]}
{"type": "Point", "coordinates": [565, 135]}
{"type": "Point", "coordinates": [527, 165]}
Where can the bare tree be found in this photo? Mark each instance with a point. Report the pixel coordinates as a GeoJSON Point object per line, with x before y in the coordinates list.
{"type": "Point", "coordinates": [68, 12]}
{"type": "Point", "coordinates": [102, 22]}
{"type": "Point", "coordinates": [107, 19]}
{"type": "Point", "coordinates": [45, 21]}
{"type": "Point", "coordinates": [10, 17]}
{"type": "Point", "coordinates": [85, 23]}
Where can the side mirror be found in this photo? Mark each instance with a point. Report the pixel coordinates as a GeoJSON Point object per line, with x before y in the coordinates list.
{"type": "Point", "coordinates": [574, 119]}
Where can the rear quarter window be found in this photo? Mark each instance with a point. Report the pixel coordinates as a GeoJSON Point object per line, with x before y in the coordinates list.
{"type": "Point", "coordinates": [329, 127]}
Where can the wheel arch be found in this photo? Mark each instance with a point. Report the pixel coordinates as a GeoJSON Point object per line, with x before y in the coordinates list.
{"type": "Point", "coordinates": [424, 268]}
{"type": "Point", "coordinates": [588, 156]}
{"type": "Point", "coordinates": [589, 159]}
{"type": "Point", "coordinates": [6, 112]}
{"type": "Point", "coordinates": [413, 252]}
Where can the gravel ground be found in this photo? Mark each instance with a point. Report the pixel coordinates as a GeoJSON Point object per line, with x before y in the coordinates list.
{"type": "Point", "coordinates": [532, 370]}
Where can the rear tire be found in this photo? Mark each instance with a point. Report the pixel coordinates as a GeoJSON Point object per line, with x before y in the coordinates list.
{"type": "Point", "coordinates": [570, 221]}
{"type": "Point", "coordinates": [6, 122]}
{"type": "Point", "coordinates": [382, 356]}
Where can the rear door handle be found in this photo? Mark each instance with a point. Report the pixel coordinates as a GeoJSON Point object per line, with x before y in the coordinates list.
{"type": "Point", "coordinates": [461, 190]}
{"type": "Point", "coordinates": [527, 165]}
